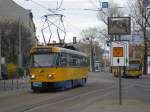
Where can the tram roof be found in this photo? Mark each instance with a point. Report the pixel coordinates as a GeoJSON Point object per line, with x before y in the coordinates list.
{"type": "Point", "coordinates": [59, 49]}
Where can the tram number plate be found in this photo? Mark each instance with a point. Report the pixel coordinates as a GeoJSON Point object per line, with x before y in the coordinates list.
{"type": "Point", "coordinates": [37, 84]}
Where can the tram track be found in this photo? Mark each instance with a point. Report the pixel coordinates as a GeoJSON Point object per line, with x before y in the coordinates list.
{"type": "Point", "coordinates": [69, 98]}
{"type": "Point", "coordinates": [77, 99]}
{"type": "Point", "coordinates": [103, 93]}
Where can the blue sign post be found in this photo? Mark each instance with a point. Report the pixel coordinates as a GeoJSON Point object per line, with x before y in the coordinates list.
{"type": "Point", "coordinates": [146, 3]}
{"type": "Point", "coordinates": [104, 4]}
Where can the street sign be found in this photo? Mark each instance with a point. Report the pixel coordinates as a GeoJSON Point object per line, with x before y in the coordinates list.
{"type": "Point", "coordinates": [105, 4]}
{"type": "Point", "coordinates": [146, 3]}
{"type": "Point", "coordinates": [117, 51]}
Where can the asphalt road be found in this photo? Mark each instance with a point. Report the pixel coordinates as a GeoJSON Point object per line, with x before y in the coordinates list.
{"type": "Point", "coordinates": [99, 95]}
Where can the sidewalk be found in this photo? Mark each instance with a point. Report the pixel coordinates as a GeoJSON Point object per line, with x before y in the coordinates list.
{"type": "Point", "coordinates": [15, 92]}
{"type": "Point", "coordinates": [13, 87]}
{"type": "Point", "coordinates": [113, 106]}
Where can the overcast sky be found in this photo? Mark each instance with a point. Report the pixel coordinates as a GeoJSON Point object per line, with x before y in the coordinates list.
{"type": "Point", "coordinates": [76, 18]}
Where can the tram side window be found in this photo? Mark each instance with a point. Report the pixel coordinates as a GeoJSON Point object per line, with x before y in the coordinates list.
{"type": "Point", "coordinates": [84, 61]}
{"type": "Point", "coordinates": [78, 61]}
{"type": "Point", "coordinates": [63, 59]}
{"type": "Point", "coordinates": [81, 61]}
{"type": "Point", "coordinates": [72, 60]}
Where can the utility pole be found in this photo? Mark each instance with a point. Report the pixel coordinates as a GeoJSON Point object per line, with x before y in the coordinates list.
{"type": "Point", "coordinates": [20, 52]}
{"type": "Point", "coordinates": [0, 54]}
{"type": "Point", "coordinates": [133, 46]}
{"type": "Point", "coordinates": [92, 56]}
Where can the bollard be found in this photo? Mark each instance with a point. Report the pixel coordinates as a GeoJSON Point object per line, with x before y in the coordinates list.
{"type": "Point", "coordinates": [4, 85]}
{"type": "Point", "coordinates": [17, 83]}
{"type": "Point", "coordinates": [12, 84]}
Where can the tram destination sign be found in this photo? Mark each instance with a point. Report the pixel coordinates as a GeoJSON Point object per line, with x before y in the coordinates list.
{"type": "Point", "coordinates": [119, 25]}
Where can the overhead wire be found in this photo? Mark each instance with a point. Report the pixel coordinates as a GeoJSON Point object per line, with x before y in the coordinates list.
{"type": "Point", "coordinates": [54, 12]}
{"type": "Point", "coordinates": [92, 2]}
{"type": "Point", "coordinates": [58, 7]}
{"type": "Point", "coordinates": [42, 6]}
{"type": "Point", "coordinates": [54, 23]}
{"type": "Point", "coordinates": [73, 25]}
{"type": "Point", "coordinates": [63, 28]}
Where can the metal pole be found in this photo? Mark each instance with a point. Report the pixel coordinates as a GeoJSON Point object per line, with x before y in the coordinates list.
{"type": "Point", "coordinates": [12, 84]}
{"type": "Point", "coordinates": [17, 83]}
{"type": "Point", "coordinates": [4, 85]}
{"type": "Point", "coordinates": [105, 57]}
{"type": "Point", "coordinates": [20, 52]}
{"type": "Point", "coordinates": [0, 55]}
{"type": "Point", "coordinates": [120, 81]}
{"type": "Point", "coordinates": [120, 87]}
{"type": "Point", "coordinates": [92, 57]}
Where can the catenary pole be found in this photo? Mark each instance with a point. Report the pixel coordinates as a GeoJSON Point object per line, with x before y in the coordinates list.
{"type": "Point", "coordinates": [20, 52]}
{"type": "Point", "coordinates": [0, 55]}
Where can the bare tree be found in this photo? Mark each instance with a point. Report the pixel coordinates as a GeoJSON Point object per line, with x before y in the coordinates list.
{"type": "Point", "coordinates": [141, 16]}
{"type": "Point", "coordinates": [93, 37]}
{"type": "Point", "coordinates": [113, 11]}
{"type": "Point", "coordinates": [90, 33]}
{"type": "Point", "coordinates": [10, 40]}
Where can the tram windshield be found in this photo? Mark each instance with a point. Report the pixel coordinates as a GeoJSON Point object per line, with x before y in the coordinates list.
{"type": "Point", "coordinates": [43, 60]}
{"type": "Point", "coordinates": [134, 65]}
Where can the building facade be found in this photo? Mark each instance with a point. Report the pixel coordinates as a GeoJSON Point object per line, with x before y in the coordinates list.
{"type": "Point", "coordinates": [11, 11]}
{"type": "Point", "coordinates": [16, 26]}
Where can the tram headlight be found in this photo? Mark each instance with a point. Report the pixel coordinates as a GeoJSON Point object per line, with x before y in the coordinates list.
{"type": "Point", "coordinates": [50, 76]}
{"type": "Point", "coordinates": [32, 76]}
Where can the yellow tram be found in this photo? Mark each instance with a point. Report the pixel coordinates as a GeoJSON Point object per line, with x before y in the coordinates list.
{"type": "Point", "coordinates": [57, 68]}
{"type": "Point", "coordinates": [134, 69]}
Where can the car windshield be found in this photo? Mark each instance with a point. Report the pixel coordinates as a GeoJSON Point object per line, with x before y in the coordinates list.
{"type": "Point", "coordinates": [43, 60]}
{"type": "Point", "coordinates": [134, 66]}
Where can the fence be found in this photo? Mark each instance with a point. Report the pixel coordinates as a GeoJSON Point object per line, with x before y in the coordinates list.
{"type": "Point", "coordinates": [14, 84]}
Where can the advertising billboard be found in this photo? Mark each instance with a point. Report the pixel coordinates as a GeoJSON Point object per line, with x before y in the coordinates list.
{"type": "Point", "coordinates": [119, 25]}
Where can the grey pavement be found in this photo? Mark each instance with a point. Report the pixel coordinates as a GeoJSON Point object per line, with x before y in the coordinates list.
{"type": "Point", "coordinates": [99, 95]}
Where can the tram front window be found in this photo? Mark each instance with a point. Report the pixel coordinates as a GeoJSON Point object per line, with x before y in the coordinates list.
{"type": "Point", "coordinates": [43, 60]}
{"type": "Point", "coordinates": [134, 67]}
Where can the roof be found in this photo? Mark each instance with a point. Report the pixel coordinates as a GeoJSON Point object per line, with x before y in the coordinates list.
{"type": "Point", "coordinates": [10, 4]}
{"type": "Point", "coordinates": [10, 10]}
{"type": "Point", "coordinates": [60, 49]}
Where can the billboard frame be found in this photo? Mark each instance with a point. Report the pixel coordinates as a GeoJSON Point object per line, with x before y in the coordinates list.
{"type": "Point", "coordinates": [119, 33]}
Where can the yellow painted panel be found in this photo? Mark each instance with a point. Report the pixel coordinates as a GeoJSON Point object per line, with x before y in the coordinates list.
{"type": "Point", "coordinates": [59, 74]}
